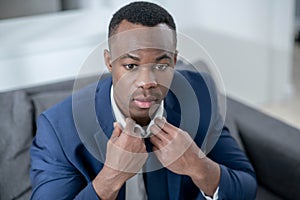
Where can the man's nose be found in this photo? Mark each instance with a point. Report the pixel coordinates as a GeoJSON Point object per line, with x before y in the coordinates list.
{"type": "Point", "coordinates": [146, 79]}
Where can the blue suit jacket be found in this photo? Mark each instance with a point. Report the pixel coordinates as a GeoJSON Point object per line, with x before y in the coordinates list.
{"type": "Point", "coordinates": [62, 167]}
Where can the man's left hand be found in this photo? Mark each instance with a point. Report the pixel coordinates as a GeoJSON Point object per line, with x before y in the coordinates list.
{"type": "Point", "coordinates": [178, 152]}
{"type": "Point", "coordinates": [174, 147]}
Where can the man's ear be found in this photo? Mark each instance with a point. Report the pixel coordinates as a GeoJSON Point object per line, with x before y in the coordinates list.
{"type": "Point", "coordinates": [107, 59]}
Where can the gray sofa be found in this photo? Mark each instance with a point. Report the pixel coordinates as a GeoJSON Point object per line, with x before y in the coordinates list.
{"type": "Point", "coordinates": [272, 146]}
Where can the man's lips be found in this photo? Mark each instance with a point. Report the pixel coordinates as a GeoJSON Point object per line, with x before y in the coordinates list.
{"type": "Point", "coordinates": [144, 102]}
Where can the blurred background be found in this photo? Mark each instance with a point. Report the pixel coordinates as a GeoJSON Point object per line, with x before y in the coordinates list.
{"type": "Point", "coordinates": [254, 43]}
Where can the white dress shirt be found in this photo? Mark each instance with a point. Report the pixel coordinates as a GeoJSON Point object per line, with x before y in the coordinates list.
{"type": "Point", "coordinates": [135, 187]}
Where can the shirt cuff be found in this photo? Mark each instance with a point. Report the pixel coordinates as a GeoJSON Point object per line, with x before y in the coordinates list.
{"type": "Point", "coordinates": [215, 196]}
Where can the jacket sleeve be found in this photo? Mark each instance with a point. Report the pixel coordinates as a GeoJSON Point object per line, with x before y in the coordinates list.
{"type": "Point", "coordinates": [51, 173]}
{"type": "Point", "coordinates": [238, 180]}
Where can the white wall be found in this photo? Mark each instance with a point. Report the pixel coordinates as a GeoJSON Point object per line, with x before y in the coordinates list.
{"type": "Point", "coordinates": [249, 40]}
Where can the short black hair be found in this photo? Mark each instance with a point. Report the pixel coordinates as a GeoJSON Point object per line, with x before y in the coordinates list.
{"type": "Point", "coordinates": [141, 12]}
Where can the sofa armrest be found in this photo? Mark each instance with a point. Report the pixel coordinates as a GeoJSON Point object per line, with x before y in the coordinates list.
{"type": "Point", "coordinates": [272, 147]}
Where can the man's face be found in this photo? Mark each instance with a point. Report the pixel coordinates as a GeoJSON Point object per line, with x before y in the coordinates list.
{"type": "Point", "coordinates": [141, 73]}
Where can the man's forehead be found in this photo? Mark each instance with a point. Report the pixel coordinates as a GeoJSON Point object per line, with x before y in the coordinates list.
{"type": "Point", "coordinates": [158, 37]}
{"type": "Point", "coordinates": [141, 52]}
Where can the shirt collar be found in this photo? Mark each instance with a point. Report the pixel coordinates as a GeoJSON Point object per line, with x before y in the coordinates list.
{"type": "Point", "coordinates": [145, 132]}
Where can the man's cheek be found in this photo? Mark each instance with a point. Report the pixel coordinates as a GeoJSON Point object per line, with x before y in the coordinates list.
{"type": "Point", "coordinates": [164, 91]}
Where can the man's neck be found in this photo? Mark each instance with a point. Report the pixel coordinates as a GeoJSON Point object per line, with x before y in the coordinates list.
{"type": "Point", "coordinates": [142, 121]}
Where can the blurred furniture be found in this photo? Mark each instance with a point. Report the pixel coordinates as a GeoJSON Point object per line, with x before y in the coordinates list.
{"type": "Point", "coordinates": [20, 8]}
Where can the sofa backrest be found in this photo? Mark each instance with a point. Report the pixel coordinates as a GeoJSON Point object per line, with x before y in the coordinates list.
{"type": "Point", "coordinates": [15, 139]}
{"type": "Point", "coordinates": [19, 110]}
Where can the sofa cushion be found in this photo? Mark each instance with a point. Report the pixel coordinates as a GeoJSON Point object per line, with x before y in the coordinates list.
{"type": "Point", "coordinates": [45, 100]}
{"type": "Point", "coordinates": [16, 136]}
{"type": "Point", "coordinates": [264, 194]}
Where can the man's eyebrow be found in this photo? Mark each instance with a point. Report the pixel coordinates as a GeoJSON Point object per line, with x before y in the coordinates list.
{"type": "Point", "coordinates": [130, 56]}
{"type": "Point", "coordinates": [165, 56]}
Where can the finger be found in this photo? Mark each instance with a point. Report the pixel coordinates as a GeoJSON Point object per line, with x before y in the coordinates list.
{"type": "Point", "coordinates": [165, 126]}
{"type": "Point", "coordinates": [129, 127]}
{"type": "Point", "coordinates": [154, 148]}
{"type": "Point", "coordinates": [158, 132]}
{"type": "Point", "coordinates": [156, 142]}
{"type": "Point", "coordinates": [118, 125]}
{"type": "Point", "coordinates": [117, 130]}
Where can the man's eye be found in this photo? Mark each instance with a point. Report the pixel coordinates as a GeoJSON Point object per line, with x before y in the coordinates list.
{"type": "Point", "coordinates": [161, 67]}
{"type": "Point", "coordinates": [130, 66]}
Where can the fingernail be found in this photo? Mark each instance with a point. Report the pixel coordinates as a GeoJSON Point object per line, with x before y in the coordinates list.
{"type": "Point", "coordinates": [117, 124]}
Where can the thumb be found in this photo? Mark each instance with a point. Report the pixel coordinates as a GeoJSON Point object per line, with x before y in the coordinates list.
{"type": "Point", "coordinates": [117, 130]}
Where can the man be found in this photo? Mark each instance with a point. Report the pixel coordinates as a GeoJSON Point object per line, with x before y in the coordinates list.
{"type": "Point", "coordinates": [131, 107]}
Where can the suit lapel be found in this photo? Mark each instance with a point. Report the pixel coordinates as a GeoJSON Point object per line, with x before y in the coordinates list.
{"type": "Point", "coordinates": [103, 107]}
{"type": "Point", "coordinates": [172, 108]}
{"type": "Point", "coordinates": [174, 185]}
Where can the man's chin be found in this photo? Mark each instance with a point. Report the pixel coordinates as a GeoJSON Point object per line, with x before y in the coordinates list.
{"type": "Point", "coordinates": [140, 113]}
{"type": "Point", "coordinates": [143, 113]}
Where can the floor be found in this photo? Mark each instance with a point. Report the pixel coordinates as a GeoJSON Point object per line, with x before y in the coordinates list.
{"type": "Point", "coordinates": [289, 110]}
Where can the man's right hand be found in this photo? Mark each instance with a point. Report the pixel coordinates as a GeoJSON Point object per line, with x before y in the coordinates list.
{"type": "Point", "coordinates": [125, 156]}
